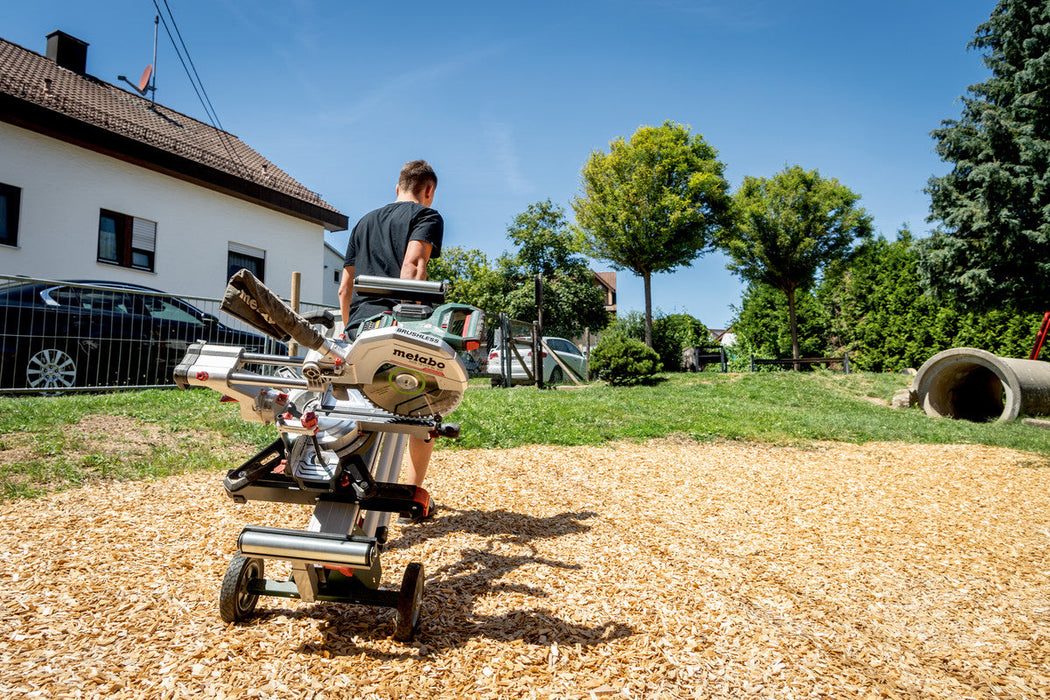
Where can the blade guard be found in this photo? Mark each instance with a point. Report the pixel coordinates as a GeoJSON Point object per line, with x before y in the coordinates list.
{"type": "Point", "coordinates": [433, 381]}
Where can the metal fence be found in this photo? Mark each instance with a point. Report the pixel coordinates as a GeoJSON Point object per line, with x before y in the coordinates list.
{"type": "Point", "coordinates": [62, 336]}
{"type": "Point", "coordinates": [59, 336]}
{"type": "Point", "coordinates": [520, 353]}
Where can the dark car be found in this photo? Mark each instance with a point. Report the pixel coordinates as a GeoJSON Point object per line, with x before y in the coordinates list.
{"type": "Point", "coordinates": [94, 334]}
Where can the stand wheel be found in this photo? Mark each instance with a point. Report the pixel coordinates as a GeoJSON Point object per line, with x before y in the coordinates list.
{"type": "Point", "coordinates": [235, 602]}
{"type": "Point", "coordinates": [408, 603]}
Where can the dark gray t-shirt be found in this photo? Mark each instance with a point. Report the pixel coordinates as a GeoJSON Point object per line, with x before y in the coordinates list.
{"type": "Point", "coordinates": [378, 243]}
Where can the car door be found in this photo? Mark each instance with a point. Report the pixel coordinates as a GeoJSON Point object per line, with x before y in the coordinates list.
{"type": "Point", "coordinates": [570, 355]}
{"type": "Point", "coordinates": [174, 326]}
{"type": "Point", "coordinates": [112, 337]}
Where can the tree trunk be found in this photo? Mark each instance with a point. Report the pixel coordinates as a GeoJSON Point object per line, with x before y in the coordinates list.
{"type": "Point", "coordinates": [647, 278]}
{"type": "Point", "coordinates": [793, 321]}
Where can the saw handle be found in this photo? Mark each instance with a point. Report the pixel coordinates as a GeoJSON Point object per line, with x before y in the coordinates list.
{"type": "Point", "coordinates": [405, 290]}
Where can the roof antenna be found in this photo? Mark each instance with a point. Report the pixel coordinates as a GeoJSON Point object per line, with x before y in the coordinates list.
{"type": "Point", "coordinates": [145, 85]}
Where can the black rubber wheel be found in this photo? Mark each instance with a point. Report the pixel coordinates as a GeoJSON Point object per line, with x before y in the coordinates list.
{"type": "Point", "coordinates": [235, 602]}
{"type": "Point", "coordinates": [557, 377]}
{"type": "Point", "coordinates": [409, 600]}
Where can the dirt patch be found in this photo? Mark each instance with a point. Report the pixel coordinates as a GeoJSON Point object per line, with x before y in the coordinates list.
{"type": "Point", "coordinates": [100, 447]}
{"type": "Point", "coordinates": [659, 570]}
{"type": "Point", "coordinates": [112, 436]}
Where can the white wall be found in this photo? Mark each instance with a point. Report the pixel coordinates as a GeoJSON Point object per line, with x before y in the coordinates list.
{"type": "Point", "coordinates": [333, 273]}
{"type": "Point", "coordinates": [64, 186]}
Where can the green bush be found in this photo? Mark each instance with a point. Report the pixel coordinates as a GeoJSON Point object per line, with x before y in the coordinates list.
{"type": "Point", "coordinates": [623, 361]}
{"type": "Point", "coordinates": [671, 334]}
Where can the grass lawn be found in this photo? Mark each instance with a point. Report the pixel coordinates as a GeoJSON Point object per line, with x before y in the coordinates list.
{"type": "Point", "coordinates": [52, 443]}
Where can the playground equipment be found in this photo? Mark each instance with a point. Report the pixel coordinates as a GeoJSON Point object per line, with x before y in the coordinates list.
{"type": "Point", "coordinates": [976, 385]}
{"type": "Point", "coordinates": [344, 414]}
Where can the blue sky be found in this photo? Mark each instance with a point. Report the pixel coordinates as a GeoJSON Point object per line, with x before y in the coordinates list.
{"type": "Point", "coordinates": [507, 100]}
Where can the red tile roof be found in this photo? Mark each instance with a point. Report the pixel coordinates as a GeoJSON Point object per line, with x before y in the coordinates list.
{"type": "Point", "coordinates": [38, 94]}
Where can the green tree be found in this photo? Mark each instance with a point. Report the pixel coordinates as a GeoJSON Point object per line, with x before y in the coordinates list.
{"type": "Point", "coordinates": [881, 315]}
{"type": "Point", "coordinates": [789, 228]}
{"type": "Point", "coordinates": [547, 247]}
{"type": "Point", "coordinates": [652, 204]}
{"type": "Point", "coordinates": [472, 278]}
{"type": "Point", "coordinates": [993, 245]}
{"type": "Point", "coordinates": [762, 326]}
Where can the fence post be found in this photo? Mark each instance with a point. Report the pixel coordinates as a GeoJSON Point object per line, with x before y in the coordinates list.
{"type": "Point", "coordinates": [725, 360]}
{"type": "Point", "coordinates": [845, 363]}
{"type": "Point", "coordinates": [537, 356]}
{"type": "Point", "coordinates": [297, 283]}
{"type": "Point", "coordinates": [587, 352]}
{"type": "Point", "coordinates": [752, 363]}
{"type": "Point", "coordinates": [505, 348]}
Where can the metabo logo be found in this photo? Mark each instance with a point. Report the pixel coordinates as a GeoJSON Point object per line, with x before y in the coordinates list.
{"type": "Point", "coordinates": [253, 304]}
{"type": "Point", "coordinates": [421, 359]}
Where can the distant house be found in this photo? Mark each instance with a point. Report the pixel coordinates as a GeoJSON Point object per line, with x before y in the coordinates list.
{"type": "Point", "coordinates": [333, 274]}
{"type": "Point", "coordinates": [607, 282]}
{"type": "Point", "coordinates": [97, 182]}
{"type": "Point", "coordinates": [724, 337]}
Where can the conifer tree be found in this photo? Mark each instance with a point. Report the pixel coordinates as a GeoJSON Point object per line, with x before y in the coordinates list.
{"type": "Point", "coordinates": [992, 246]}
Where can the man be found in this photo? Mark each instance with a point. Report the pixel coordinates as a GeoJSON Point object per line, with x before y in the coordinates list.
{"type": "Point", "coordinates": [395, 241]}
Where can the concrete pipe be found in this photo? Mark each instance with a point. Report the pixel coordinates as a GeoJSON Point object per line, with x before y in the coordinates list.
{"type": "Point", "coordinates": [978, 386]}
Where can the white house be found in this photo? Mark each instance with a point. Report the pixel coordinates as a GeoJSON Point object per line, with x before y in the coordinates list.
{"type": "Point", "coordinates": [333, 273]}
{"type": "Point", "coordinates": [98, 183]}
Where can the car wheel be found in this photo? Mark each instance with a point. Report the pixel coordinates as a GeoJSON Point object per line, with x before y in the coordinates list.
{"type": "Point", "coordinates": [557, 377]}
{"type": "Point", "coordinates": [50, 369]}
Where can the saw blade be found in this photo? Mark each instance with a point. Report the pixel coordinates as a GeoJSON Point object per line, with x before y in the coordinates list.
{"type": "Point", "coordinates": [408, 392]}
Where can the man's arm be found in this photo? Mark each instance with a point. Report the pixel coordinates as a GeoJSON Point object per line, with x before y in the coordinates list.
{"type": "Point", "coordinates": [346, 292]}
{"type": "Point", "coordinates": [414, 266]}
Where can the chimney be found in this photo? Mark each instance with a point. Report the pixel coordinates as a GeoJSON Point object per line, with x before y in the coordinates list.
{"type": "Point", "coordinates": [67, 51]}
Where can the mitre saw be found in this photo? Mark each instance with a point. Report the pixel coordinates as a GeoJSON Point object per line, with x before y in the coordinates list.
{"type": "Point", "coordinates": [343, 414]}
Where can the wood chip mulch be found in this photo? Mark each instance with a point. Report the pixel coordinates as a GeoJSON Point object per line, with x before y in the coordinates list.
{"type": "Point", "coordinates": [668, 569]}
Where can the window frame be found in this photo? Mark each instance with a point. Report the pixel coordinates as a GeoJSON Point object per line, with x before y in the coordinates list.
{"type": "Point", "coordinates": [129, 230]}
{"type": "Point", "coordinates": [251, 253]}
{"type": "Point", "coordinates": [12, 209]}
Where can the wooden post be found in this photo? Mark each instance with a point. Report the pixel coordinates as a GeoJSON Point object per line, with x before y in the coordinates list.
{"type": "Point", "coordinates": [297, 283]}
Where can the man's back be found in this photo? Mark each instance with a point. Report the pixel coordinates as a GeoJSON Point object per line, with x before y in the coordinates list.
{"type": "Point", "coordinates": [378, 244]}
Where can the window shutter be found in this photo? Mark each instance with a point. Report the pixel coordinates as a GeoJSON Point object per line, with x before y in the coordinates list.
{"type": "Point", "coordinates": [241, 249]}
{"type": "Point", "coordinates": [144, 235]}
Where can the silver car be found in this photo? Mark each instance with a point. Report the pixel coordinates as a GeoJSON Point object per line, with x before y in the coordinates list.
{"type": "Point", "coordinates": [553, 373]}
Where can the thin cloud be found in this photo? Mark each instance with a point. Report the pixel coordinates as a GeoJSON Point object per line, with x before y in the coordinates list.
{"type": "Point", "coordinates": [500, 140]}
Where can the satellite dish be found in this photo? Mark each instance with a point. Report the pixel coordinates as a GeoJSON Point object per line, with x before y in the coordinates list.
{"type": "Point", "coordinates": [144, 80]}
{"type": "Point", "coordinates": [143, 85]}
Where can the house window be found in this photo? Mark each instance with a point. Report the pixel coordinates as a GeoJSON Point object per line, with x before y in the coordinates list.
{"type": "Point", "coordinates": [127, 241]}
{"type": "Point", "coordinates": [10, 200]}
{"type": "Point", "coordinates": [245, 257]}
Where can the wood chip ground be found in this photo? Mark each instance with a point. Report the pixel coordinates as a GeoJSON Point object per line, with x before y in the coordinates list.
{"type": "Point", "coordinates": [668, 569]}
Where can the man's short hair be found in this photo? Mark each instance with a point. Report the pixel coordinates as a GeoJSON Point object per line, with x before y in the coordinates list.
{"type": "Point", "coordinates": [415, 176]}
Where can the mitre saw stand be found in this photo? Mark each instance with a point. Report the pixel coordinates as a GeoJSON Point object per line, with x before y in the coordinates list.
{"type": "Point", "coordinates": [337, 451]}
